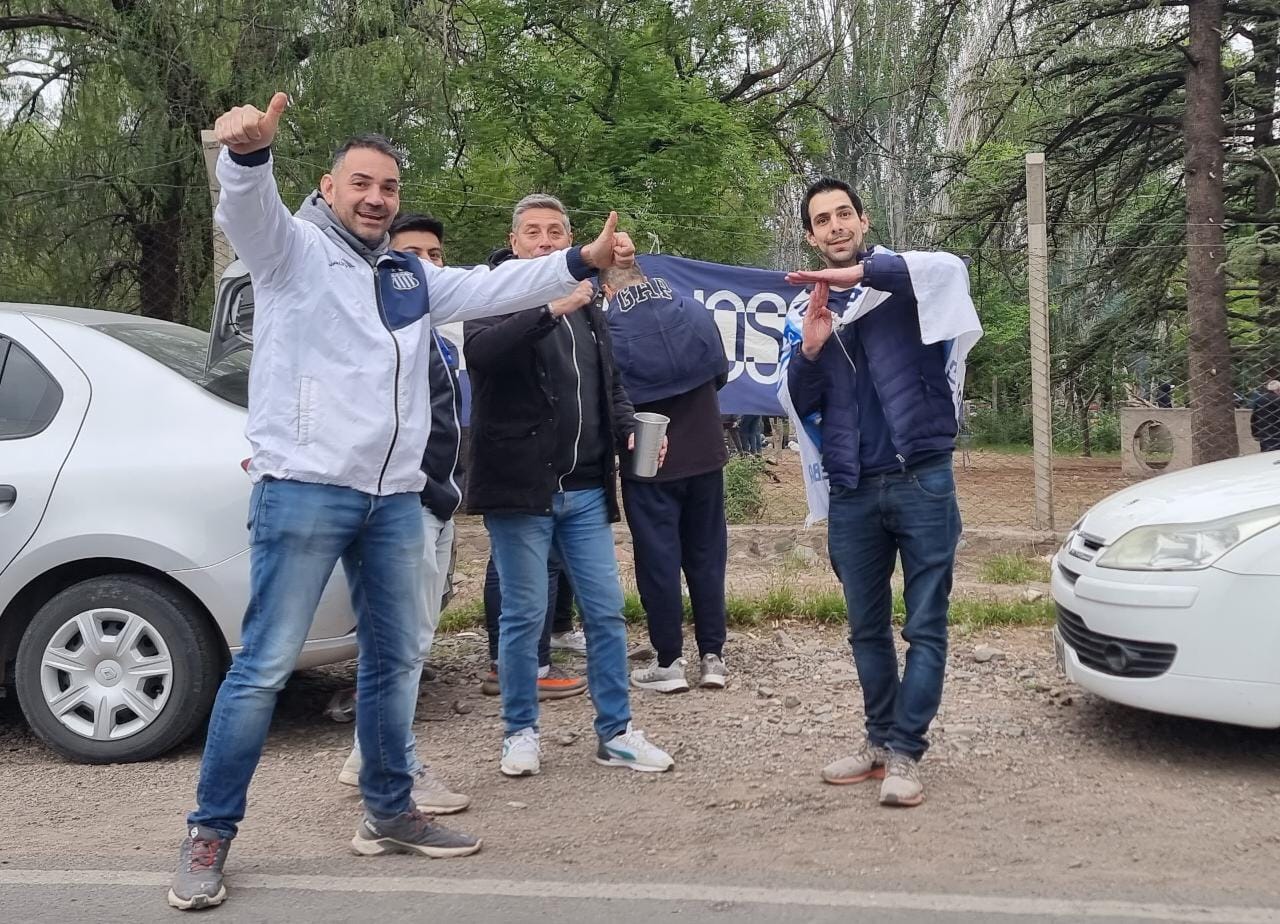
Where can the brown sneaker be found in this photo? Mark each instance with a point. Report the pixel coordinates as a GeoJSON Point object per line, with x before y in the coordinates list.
{"type": "Point", "coordinates": [901, 786]}
{"type": "Point", "coordinates": [866, 763]}
{"type": "Point", "coordinates": [489, 686]}
{"type": "Point", "coordinates": [557, 684]}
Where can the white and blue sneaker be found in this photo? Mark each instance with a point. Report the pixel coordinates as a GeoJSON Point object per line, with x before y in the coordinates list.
{"type": "Point", "coordinates": [521, 753]}
{"type": "Point", "coordinates": [631, 749]}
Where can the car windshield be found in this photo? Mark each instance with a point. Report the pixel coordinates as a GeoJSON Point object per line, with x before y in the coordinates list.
{"type": "Point", "coordinates": [184, 350]}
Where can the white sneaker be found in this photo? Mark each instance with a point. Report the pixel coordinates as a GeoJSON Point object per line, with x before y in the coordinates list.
{"type": "Point", "coordinates": [662, 679]}
{"type": "Point", "coordinates": [521, 753]}
{"type": "Point", "coordinates": [575, 641]}
{"type": "Point", "coordinates": [349, 775]}
{"type": "Point", "coordinates": [631, 749]}
{"type": "Point", "coordinates": [713, 673]}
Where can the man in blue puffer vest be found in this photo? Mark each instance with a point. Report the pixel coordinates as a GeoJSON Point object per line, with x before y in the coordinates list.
{"type": "Point", "coordinates": [888, 428]}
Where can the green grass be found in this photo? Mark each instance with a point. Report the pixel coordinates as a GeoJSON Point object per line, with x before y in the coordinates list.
{"type": "Point", "coordinates": [459, 617]}
{"type": "Point", "coordinates": [744, 489]}
{"type": "Point", "coordinates": [1013, 568]}
{"type": "Point", "coordinates": [821, 607]}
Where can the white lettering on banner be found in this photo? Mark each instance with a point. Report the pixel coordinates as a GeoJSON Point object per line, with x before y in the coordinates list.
{"type": "Point", "coordinates": [752, 331]}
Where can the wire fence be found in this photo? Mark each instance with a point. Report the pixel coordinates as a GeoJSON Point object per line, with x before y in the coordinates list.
{"type": "Point", "coordinates": [1139, 414]}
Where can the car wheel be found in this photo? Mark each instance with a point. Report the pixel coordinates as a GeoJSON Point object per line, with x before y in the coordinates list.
{"type": "Point", "coordinates": [117, 669]}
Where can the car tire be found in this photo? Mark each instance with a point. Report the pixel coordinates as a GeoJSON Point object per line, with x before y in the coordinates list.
{"type": "Point", "coordinates": [144, 689]}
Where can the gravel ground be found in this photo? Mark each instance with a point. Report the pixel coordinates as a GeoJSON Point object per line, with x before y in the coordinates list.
{"type": "Point", "coordinates": [1032, 786]}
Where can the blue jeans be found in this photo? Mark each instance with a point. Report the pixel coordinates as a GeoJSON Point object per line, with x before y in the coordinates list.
{"type": "Point", "coordinates": [297, 533]}
{"type": "Point", "coordinates": [438, 543]}
{"type": "Point", "coordinates": [578, 529]}
{"type": "Point", "coordinates": [559, 608]}
{"type": "Point", "coordinates": [912, 514]}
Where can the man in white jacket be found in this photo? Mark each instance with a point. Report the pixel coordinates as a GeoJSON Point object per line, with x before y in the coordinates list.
{"type": "Point", "coordinates": [339, 414]}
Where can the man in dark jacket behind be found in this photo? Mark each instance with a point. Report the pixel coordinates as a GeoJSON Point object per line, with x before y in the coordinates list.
{"type": "Point", "coordinates": [423, 236]}
{"type": "Point", "coordinates": [672, 362]}
{"type": "Point", "coordinates": [547, 416]}
{"type": "Point", "coordinates": [1264, 423]}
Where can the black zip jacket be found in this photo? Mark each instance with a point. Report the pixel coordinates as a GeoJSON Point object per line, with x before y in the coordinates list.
{"type": "Point", "coordinates": [442, 494]}
{"type": "Point", "coordinates": [525, 434]}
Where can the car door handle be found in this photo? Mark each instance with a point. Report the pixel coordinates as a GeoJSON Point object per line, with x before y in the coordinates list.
{"type": "Point", "coordinates": [8, 495]}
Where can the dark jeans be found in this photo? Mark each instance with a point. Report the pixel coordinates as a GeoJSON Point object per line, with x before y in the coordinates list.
{"type": "Point", "coordinates": [912, 514]}
{"type": "Point", "coordinates": [559, 608]}
{"type": "Point", "coordinates": [752, 426]}
{"type": "Point", "coordinates": [679, 525]}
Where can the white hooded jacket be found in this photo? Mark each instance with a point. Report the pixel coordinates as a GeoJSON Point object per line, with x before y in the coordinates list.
{"type": "Point", "coordinates": [338, 389]}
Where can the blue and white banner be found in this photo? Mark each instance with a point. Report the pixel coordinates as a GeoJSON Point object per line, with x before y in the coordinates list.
{"type": "Point", "coordinates": [749, 306]}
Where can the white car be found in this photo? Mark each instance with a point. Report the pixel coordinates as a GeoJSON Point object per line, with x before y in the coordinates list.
{"type": "Point", "coordinates": [124, 562]}
{"type": "Point", "coordinates": [1168, 594]}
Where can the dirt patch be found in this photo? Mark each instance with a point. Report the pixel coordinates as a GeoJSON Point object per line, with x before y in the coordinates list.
{"type": "Point", "coordinates": [996, 490]}
{"type": "Point", "coordinates": [1031, 785]}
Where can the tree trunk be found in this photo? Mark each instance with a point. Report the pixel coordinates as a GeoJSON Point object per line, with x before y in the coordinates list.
{"type": "Point", "coordinates": [1266, 49]}
{"type": "Point", "coordinates": [160, 289]}
{"type": "Point", "coordinates": [1213, 434]}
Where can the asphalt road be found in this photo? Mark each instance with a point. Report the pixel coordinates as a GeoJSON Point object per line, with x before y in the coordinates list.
{"type": "Point", "coordinates": [137, 897]}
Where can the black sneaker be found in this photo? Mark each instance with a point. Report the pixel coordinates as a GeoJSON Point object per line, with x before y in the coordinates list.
{"type": "Point", "coordinates": [197, 883]}
{"type": "Point", "coordinates": [411, 832]}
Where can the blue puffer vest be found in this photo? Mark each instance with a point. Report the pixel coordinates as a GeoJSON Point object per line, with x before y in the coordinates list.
{"type": "Point", "coordinates": [909, 377]}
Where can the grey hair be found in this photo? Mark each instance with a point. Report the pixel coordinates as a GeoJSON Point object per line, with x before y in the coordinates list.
{"type": "Point", "coordinates": [620, 277]}
{"type": "Point", "coordinates": [1274, 385]}
{"type": "Point", "coordinates": [370, 141]}
{"type": "Point", "coordinates": [539, 201]}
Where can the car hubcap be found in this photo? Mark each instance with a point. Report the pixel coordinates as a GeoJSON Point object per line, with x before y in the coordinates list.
{"type": "Point", "coordinates": [106, 674]}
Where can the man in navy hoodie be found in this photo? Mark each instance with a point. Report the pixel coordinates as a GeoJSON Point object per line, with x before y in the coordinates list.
{"type": "Point", "coordinates": [671, 360]}
{"type": "Point", "coordinates": [888, 428]}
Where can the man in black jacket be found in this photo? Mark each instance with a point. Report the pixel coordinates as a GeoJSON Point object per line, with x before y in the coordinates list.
{"type": "Point", "coordinates": [423, 236]}
{"type": "Point", "coordinates": [547, 415]}
{"type": "Point", "coordinates": [1264, 423]}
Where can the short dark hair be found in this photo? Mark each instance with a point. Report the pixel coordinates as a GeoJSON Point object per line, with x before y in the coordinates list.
{"type": "Point", "coordinates": [371, 141]}
{"type": "Point", "coordinates": [620, 277]}
{"type": "Point", "coordinates": [826, 184]}
{"type": "Point", "coordinates": [418, 221]}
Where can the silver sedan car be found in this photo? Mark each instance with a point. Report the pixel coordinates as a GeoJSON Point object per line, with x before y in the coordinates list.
{"type": "Point", "coordinates": [124, 561]}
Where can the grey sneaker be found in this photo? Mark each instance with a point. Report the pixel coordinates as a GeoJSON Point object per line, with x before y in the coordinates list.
{"type": "Point", "coordinates": [901, 784]}
{"type": "Point", "coordinates": [712, 673]}
{"type": "Point", "coordinates": [662, 679]}
{"type": "Point", "coordinates": [411, 832]}
{"type": "Point", "coordinates": [575, 641]}
{"type": "Point", "coordinates": [866, 763]}
{"type": "Point", "coordinates": [631, 749]}
{"type": "Point", "coordinates": [197, 883]}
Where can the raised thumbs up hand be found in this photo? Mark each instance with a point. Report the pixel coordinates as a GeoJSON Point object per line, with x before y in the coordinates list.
{"type": "Point", "coordinates": [246, 129]}
{"type": "Point", "coordinates": [599, 253]}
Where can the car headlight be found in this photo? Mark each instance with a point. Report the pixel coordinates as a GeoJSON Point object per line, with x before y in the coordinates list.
{"type": "Point", "coordinates": [1186, 546]}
